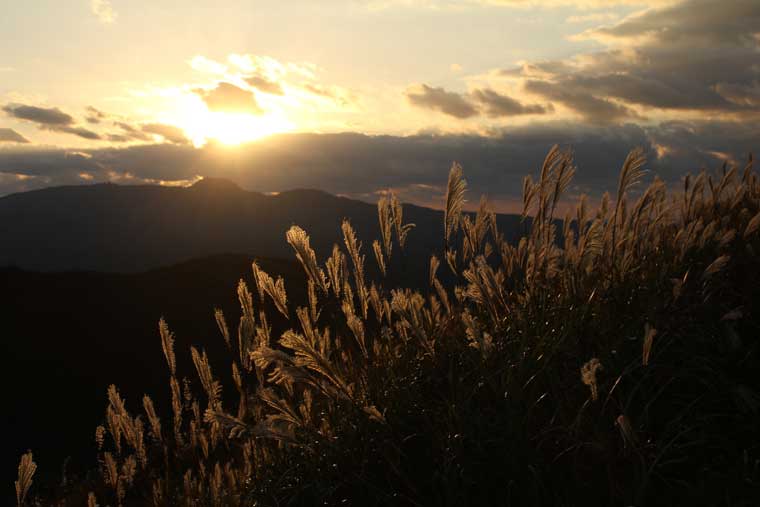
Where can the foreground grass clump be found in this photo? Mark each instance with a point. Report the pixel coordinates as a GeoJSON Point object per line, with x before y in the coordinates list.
{"type": "Point", "coordinates": [609, 358]}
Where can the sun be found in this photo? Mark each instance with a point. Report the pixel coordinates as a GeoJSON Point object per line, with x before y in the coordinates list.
{"type": "Point", "coordinates": [201, 125]}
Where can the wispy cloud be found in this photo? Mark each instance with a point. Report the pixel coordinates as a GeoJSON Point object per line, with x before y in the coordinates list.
{"type": "Point", "coordinates": [594, 17]}
{"type": "Point", "coordinates": [103, 10]}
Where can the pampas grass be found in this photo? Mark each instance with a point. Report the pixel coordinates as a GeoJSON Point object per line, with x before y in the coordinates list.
{"type": "Point", "coordinates": [467, 392]}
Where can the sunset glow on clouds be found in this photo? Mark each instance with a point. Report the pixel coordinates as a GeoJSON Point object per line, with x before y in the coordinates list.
{"type": "Point", "coordinates": [206, 74]}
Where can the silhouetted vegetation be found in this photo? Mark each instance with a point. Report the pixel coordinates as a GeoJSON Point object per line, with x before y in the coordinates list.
{"type": "Point", "coordinates": [609, 358]}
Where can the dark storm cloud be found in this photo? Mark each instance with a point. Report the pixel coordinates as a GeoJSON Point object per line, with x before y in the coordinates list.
{"type": "Point", "coordinates": [51, 117]}
{"type": "Point", "coordinates": [168, 132]}
{"type": "Point", "coordinates": [359, 165]}
{"type": "Point", "coordinates": [11, 136]}
{"type": "Point", "coordinates": [264, 85]}
{"type": "Point", "coordinates": [497, 105]}
{"type": "Point", "coordinates": [227, 97]}
{"type": "Point", "coordinates": [438, 99]}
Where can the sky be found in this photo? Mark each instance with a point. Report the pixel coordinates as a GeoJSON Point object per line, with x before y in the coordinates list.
{"type": "Point", "coordinates": [354, 96]}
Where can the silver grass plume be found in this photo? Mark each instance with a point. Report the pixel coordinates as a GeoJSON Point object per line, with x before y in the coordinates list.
{"type": "Point", "coordinates": [176, 409]}
{"type": "Point", "coordinates": [257, 280]}
{"type": "Point", "coordinates": [167, 342]}
{"type": "Point", "coordinates": [354, 250]}
{"type": "Point", "coordinates": [752, 226]}
{"type": "Point", "coordinates": [402, 230]}
{"type": "Point", "coordinates": [451, 260]}
{"type": "Point", "coordinates": [313, 302]}
{"type": "Point", "coordinates": [315, 358]}
{"type": "Point", "coordinates": [212, 387]}
{"type": "Point", "coordinates": [100, 435]}
{"type": "Point", "coordinates": [222, 325]}
{"type": "Point", "coordinates": [376, 302]}
{"type": "Point", "coordinates": [356, 325]}
{"type": "Point", "coordinates": [335, 270]}
{"type": "Point", "coordinates": [385, 220]}
{"type": "Point", "coordinates": [153, 420]}
{"type": "Point", "coordinates": [26, 469]}
{"type": "Point", "coordinates": [454, 201]}
{"type": "Point", "coordinates": [299, 240]}
{"type": "Point", "coordinates": [630, 174]}
{"type": "Point", "coordinates": [276, 291]}
{"type": "Point", "coordinates": [379, 256]}
{"type": "Point", "coordinates": [246, 303]}
{"type": "Point", "coordinates": [434, 263]}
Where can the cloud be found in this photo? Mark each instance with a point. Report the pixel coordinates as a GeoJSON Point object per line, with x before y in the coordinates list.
{"type": "Point", "coordinates": [594, 17]}
{"type": "Point", "coordinates": [702, 21]}
{"type": "Point", "coordinates": [465, 4]}
{"type": "Point", "coordinates": [40, 115]}
{"type": "Point", "coordinates": [226, 97]}
{"type": "Point", "coordinates": [11, 136]}
{"type": "Point", "coordinates": [696, 56]}
{"type": "Point", "coordinates": [438, 99]}
{"type": "Point", "coordinates": [169, 132]}
{"type": "Point", "coordinates": [591, 107]}
{"type": "Point", "coordinates": [52, 119]}
{"type": "Point", "coordinates": [203, 64]}
{"type": "Point", "coordinates": [357, 165]}
{"type": "Point", "coordinates": [94, 116]}
{"type": "Point", "coordinates": [740, 94]}
{"type": "Point", "coordinates": [103, 10]}
{"type": "Point", "coordinates": [79, 132]}
{"type": "Point", "coordinates": [128, 133]}
{"type": "Point", "coordinates": [264, 85]}
{"type": "Point", "coordinates": [498, 105]}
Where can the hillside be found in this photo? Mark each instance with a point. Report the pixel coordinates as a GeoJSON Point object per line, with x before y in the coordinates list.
{"type": "Point", "coordinates": [68, 336]}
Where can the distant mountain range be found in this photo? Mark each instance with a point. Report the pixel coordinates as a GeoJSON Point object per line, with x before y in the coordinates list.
{"type": "Point", "coordinates": [122, 228]}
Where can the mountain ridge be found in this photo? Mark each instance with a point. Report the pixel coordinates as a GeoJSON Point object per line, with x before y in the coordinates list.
{"type": "Point", "coordinates": [130, 228]}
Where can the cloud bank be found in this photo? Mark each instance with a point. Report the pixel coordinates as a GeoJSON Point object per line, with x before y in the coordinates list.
{"type": "Point", "coordinates": [359, 166]}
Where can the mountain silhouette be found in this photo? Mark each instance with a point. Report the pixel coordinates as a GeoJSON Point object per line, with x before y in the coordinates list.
{"type": "Point", "coordinates": [124, 228]}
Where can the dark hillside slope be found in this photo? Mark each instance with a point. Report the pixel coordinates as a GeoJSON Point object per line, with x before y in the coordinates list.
{"type": "Point", "coordinates": [68, 336]}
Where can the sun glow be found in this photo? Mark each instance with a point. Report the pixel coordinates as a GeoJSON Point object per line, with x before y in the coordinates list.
{"type": "Point", "coordinates": [201, 125]}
